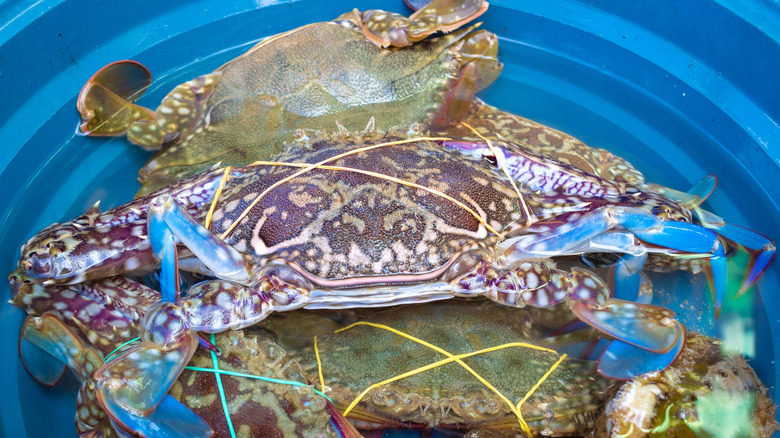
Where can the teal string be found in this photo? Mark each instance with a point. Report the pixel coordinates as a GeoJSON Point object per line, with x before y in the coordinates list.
{"type": "Point", "coordinates": [221, 391]}
{"type": "Point", "coordinates": [108, 357]}
{"type": "Point", "coordinates": [265, 379]}
{"type": "Point", "coordinates": [217, 372]}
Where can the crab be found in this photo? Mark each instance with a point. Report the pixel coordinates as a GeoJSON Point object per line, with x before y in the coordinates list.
{"type": "Point", "coordinates": [310, 77]}
{"type": "Point", "coordinates": [375, 219]}
{"type": "Point", "coordinates": [358, 353]}
{"type": "Point", "coordinates": [85, 325]}
{"type": "Point", "coordinates": [705, 393]}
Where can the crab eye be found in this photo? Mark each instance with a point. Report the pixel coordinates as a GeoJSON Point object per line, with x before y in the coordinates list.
{"type": "Point", "coordinates": [490, 158]}
{"type": "Point", "coordinates": [661, 211]}
{"type": "Point", "coordinates": [56, 247]}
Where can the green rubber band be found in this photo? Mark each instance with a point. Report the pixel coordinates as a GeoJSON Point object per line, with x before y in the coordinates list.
{"type": "Point", "coordinates": [265, 379]}
{"type": "Point", "coordinates": [108, 357]}
{"type": "Point", "coordinates": [661, 428]}
{"type": "Point", "coordinates": [221, 391]}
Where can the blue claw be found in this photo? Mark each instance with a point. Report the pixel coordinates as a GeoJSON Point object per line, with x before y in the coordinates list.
{"type": "Point", "coordinates": [622, 361]}
{"type": "Point", "coordinates": [681, 236]}
{"type": "Point", "coordinates": [170, 419]}
{"type": "Point", "coordinates": [138, 379]}
{"type": "Point", "coordinates": [761, 249]}
{"type": "Point", "coordinates": [717, 276]}
{"type": "Point", "coordinates": [646, 326]}
{"type": "Point", "coordinates": [757, 265]}
{"type": "Point", "coordinates": [39, 363]}
{"type": "Point", "coordinates": [164, 247]}
{"type": "Point", "coordinates": [168, 218]}
{"type": "Point", "coordinates": [692, 238]}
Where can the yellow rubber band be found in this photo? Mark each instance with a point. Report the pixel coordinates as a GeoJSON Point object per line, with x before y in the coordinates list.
{"type": "Point", "coordinates": [222, 182]}
{"type": "Point", "coordinates": [502, 165]}
{"type": "Point", "coordinates": [314, 166]}
{"type": "Point", "coordinates": [450, 358]}
{"type": "Point", "coordinates": [389, 178]}
{"type": "Point", "coordinates": [319, 365]}
{"type": "Point", "coordinates": [541, 380]}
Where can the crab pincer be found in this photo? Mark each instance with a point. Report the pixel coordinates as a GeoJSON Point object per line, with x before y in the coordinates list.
{"type": "Point", "coordinates": [387, 29]}
{"type": "Point", "coordinates": [760, 248]}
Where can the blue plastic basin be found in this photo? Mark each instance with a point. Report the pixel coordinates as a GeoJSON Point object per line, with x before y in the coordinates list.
{"type": "Point", "coordinates": [680, 89]}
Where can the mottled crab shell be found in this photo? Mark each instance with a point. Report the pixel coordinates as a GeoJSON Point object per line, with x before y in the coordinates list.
{"type": "Point", "coordinates": [257, 408]}
{"type": "Point", "coordinates": [312, 77]}
{"type": "Point", "coordinates": [345, 228]}
{"type": "Point", "coordinates": [566, 403]}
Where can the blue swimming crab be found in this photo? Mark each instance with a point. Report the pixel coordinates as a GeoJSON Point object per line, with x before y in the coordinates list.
{"type": "Point", "coordinates": [86, 325]}
{"type": "Point", "coordinates": [362, 64]}
{"type": "Point", "coordinates": [375, 219]}
{"type": "Point", "coordinates": [368, 346]}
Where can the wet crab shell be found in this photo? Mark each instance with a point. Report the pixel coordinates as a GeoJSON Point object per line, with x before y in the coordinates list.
{"type": "Point", "coordinates": [310, 77]}
{"type": "Point", "coordinates": [342, 228]}
{"type": "Point", "coordinates": [353, 360]}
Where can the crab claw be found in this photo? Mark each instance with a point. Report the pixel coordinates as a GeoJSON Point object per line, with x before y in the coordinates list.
{"type": "Point", "coordinates": [133, 389]}
{"type": "Point", "coordinates": [106, 100]}
{"type": "Point", "coordinates": [170, 419]}
{"type": "Point", "coordinates": [646, 326]}
{"type": "Point", "coordinates": [649, 338]}
{"type": "Point", "coordinates": [623, 361]}
{"type": "Point", "coordinates": [38, 362]}
{"type": "Point", "coordinates": [390, 29]}
{"type": "Point", "coordinates": [761, 248]}
{"type": "Point", "coordinates": [593, 232]}
{"type": "Point", "coordinates": [693, 239]}
{"type": "Point", "coordinates": [51, 335]}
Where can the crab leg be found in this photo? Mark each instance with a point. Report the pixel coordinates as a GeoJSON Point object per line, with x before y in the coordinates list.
{"type": "Point", "coordinates": [133, 389]}
{"type": "Point", "coordinates": [391, 29]}
{"type": "Point", "coordinates": [107, 108]}
{"type": "Point", "coordinates": [107, 312]}
{"type": "Point", "coordinates": [761, 248]}
{"type": "Point", "coordinates": [106, 100]}
{"type": "Point", "coordinates": [168, 218]}
{"type": "Point", "coordinates": [630, 281]}
{"type": "Point", "coordinates": [652, 332]}
{"type": "Point", "coordinates": [220, 304]}
{"type": "Point", "coordinates": [48, 333]}
{"type": "Point", "coordinates": [683, 239]}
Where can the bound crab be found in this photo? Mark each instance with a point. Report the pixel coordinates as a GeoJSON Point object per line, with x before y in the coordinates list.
{"type": "Point", "coordinates": [376, 219]}
{"type": "Point", "coordinates": [85, 325]}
